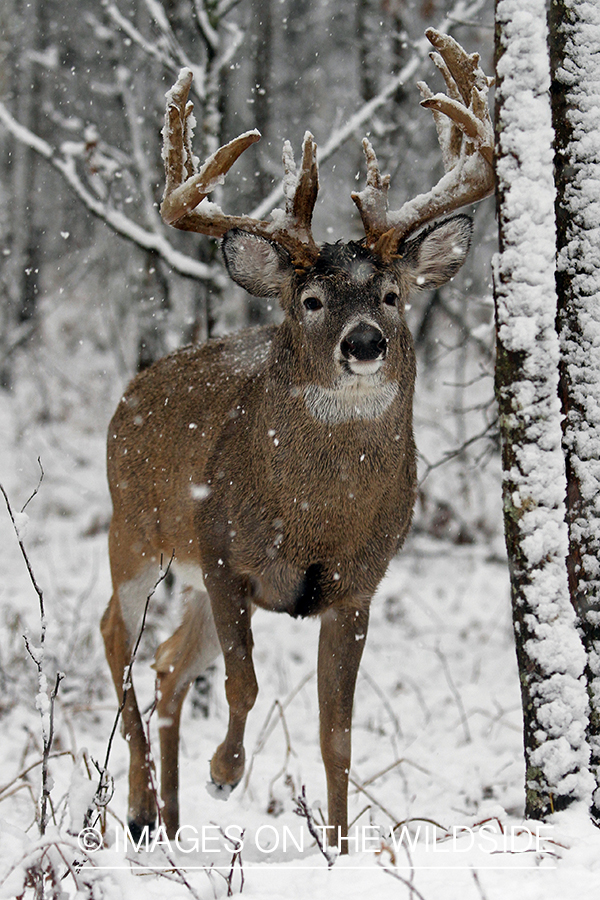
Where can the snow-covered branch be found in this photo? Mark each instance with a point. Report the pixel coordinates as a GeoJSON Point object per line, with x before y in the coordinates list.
{"type": "Point", "coordinates": [147, 239]}
{"type": "Point", "coordinates": [167, 50]}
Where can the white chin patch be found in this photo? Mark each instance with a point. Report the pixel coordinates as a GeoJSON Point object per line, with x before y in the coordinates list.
{"type": "Point", "coordinates": [354, 398]}
{"type": "Point", "coordinates": [365, 366]}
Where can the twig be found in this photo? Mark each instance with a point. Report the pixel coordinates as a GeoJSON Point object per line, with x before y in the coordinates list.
{"type": "Point", "coordinates": [405, 881]}
{"type": "Point", "coordinates": [236, 858]}
{"type": "Point", "coordinates": [478, 884]}
{"type": "Point", "coordinates": [372, 799]}
{"type": "Point", "coordinates": [36, 586]}
{"type": "Point", "coordinates": [457, 451]}
{"type": "Point", "coordinates": [302, 809]}
{"type": "Point", "coordinates": [392, 871]}
{"type": "Point", "coordinates": [39, 484]}
{"type": "Point", "coordinates": [288, 749]}
{"type": "Point", "coordinates": [267, 731]}
{"type": "Point", "coordinates": [420, 819]}
{"type": "Point", "coordinates": [455, 694]}
{"type": "Point", "coordinates": [48, 739]}
{"type": "Point", "coordinates": [386, 703]}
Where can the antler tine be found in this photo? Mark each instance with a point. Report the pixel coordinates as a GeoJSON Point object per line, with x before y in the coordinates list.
{"type": "Point", "coordinates": [467, 144]}
{"type": "Point", "coordinates": [466, 85]}
{"type": "Point", "coordinates": [463, 67]}
{"type": "Point", "coordinates": [450, 138]}
{"type": "Point", "coordinates": [372, 203]}
{"type": "Point", "coordinates": [177, 124]}
{"type": "Point", "coordinates": [300, 191]}
{"type": "Point", "coordinates": [307, 185]}
{"type": "Point", "coordinates": [181, 196]}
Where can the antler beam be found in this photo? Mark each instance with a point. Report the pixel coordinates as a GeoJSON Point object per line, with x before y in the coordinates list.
{"type": "Point", "coordinates": [185, 205]}
{"type": "Point", "coordinates": [466, 137]}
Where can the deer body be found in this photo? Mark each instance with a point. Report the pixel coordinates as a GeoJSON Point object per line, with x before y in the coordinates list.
{"type": "Point", "coordinates": [276, 467]}
{"type": "Point", "coordinates": [318, 494]}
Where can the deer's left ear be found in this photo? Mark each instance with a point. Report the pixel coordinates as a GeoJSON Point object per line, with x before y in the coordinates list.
{"type": "Point", "coordinates": [435, 256]}
{"type": "Point", "coordinates": [256, 264]}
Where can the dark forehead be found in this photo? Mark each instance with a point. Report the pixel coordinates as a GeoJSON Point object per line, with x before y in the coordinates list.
{"type": "Point", "coordinates": [347, 260]}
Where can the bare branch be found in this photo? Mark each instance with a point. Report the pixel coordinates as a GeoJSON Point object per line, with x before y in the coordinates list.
{"type": "Point", "coordinates": [39, 484]}
{"type": "Point", "coordinates": [115, 219]}
{"type": "Point", "coordinates": [303, 810]}
{"type": "Point", "coordinates": [32, 578]}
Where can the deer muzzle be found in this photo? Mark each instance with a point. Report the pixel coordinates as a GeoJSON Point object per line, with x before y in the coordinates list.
{"type": "Point", "coordinates": [364, 348]}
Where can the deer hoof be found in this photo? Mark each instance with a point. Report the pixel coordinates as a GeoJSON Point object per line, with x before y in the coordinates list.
{"type": "Point", "coordinates": [220, 791]}
{"type": "Point", "coordinates": [227, 770]}
{"type": "Point", "coordinates": [138, 830]}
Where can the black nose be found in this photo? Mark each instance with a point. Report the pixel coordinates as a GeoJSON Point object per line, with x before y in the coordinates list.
{"type": "Point", "coordinates": [365, 342]}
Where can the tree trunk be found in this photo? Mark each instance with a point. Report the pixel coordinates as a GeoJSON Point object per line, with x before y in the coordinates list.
{"type": "Point", "coordinates": [550, 655]}
{"type": "Point", "coordinates": [575, 37]}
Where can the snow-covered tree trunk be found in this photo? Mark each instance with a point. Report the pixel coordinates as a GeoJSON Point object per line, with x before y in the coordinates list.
{"type": "Point", "coordinates": [550, 654]}
{"type": "Point", "coordinates": [575, 38]}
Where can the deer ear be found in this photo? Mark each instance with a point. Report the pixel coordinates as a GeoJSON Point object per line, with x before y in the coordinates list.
{"type": "Point", "coordinates": [256, 264]}
{"type": "Point", "coordinates": [435, 256]}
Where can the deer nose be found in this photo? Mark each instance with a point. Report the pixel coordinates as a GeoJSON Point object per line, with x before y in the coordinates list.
{"type": "Point", "coordinates": [365, 342]}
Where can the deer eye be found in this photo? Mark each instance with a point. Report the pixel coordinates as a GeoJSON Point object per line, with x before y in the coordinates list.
{"type": "Point", "coordinates": [390, 298]}
{"type": "Point", "coordinates": [312, 303]}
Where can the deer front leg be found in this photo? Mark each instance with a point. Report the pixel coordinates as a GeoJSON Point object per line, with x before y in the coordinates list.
{"type": "Point", "coordinates": [341, 642]}
{"type": "Point", "coordinates": [232, 613]}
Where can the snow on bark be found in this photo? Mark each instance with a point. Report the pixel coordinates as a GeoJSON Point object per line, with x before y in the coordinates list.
{"type": "Point", "coordinates": [549, 650]}
{"type": "Point", "coordinates": [576, 110]}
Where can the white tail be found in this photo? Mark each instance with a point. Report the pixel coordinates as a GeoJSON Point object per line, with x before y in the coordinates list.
{"type": "Point", "coordinates": [277, 465]}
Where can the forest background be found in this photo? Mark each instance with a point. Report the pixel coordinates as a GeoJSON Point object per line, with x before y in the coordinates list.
{"type": "Point", "coordinates": [94, 288]}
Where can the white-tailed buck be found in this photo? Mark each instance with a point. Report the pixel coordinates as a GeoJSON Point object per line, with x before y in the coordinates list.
{"type": "Point", "coordinates": [277, 466]}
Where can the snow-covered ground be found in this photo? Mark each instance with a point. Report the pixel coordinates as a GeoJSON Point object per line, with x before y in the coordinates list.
{"type": "Point", "coordinates": [437, 739]}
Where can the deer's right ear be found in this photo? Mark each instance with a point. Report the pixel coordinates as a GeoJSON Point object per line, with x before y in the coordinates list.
{"type": "Point", "coordinates": [256, 264]}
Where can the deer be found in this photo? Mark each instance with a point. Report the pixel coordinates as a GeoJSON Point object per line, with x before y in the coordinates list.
{"type": "Point", "coordinates": [276, 466]}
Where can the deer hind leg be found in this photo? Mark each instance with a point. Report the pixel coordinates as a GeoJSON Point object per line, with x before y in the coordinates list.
{"type": "Point", "coordinates": [341, 643]}
{"type": "Point", "coordinates": [232, 610]}
{"type": "Point", "coordinates": [119, 626]}
{"type": "Point", "coordinates": [179, 660]}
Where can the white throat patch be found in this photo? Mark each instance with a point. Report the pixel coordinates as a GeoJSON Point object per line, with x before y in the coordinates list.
{"type": "Point", "coordinates": [352, 400]}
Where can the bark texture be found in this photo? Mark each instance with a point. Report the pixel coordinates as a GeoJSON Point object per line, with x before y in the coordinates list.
{"type": "Point", "coordinates": [550, 655]}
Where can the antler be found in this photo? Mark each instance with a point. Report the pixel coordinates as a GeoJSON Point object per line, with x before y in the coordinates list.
{"type": "Point", "coordinates": [466, 137]}
{"type": "Point", "coordinates": [185, 205]}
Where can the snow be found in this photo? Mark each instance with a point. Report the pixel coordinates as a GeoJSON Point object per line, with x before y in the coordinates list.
{"type": "Point", "coordinates": [436, 734]}
{"type": "Point", "coordinates": [437, 729]}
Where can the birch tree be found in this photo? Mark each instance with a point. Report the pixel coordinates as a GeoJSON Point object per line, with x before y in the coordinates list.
{"type": "Point", "coordinates": [575, 38]}
{"type": "Point", "coordinates": [550, 654]}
